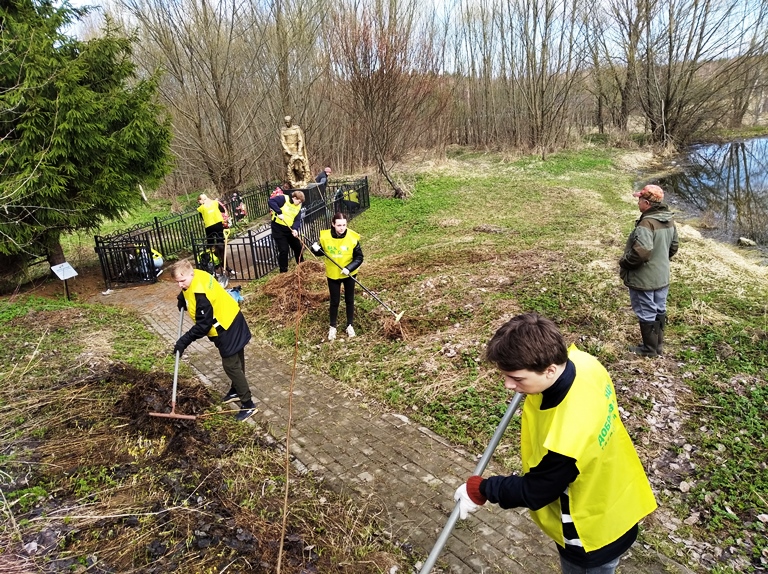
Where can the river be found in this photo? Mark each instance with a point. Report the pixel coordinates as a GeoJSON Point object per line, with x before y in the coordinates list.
{"type": "Point", "coordinates": [727, 184]}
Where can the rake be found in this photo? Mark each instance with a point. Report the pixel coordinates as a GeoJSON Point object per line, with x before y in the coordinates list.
{"type": "Point", "coordinates": [173, 414]}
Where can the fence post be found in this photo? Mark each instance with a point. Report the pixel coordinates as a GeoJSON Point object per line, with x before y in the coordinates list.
{"type": "Point", "coordinates": [160, 243]}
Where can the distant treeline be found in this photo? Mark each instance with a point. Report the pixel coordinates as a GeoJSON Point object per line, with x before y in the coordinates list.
{"type": "Point", "coordinates": [372, 81]}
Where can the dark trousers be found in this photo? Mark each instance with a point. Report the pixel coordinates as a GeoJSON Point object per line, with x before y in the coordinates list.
{"type": "Point", "coordinates": [234, 367]}
{"type": "Point", "coordinates": [334, 288]}
{"type": "Point", "coordinates": [214, 237]}
{"type": "Point", "coordinates": [284, 240]}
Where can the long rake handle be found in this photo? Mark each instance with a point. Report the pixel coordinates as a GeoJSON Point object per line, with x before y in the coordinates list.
{"type": "Point", "coordinates": [227, 233]}
{"type": "Point", "coordinates": [484, 460]}
{"type": "Point", "coordinates": [176, 367]}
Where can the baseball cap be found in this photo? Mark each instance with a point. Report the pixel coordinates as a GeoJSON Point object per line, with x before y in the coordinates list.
{"type": "Point", "coordinates": [652, 193]}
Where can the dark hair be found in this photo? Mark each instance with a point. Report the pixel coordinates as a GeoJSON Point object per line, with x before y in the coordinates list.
{"type": "Point", "coordinates": [336, 216]}
{"type": "Point", "coordinates": [285, 185]}
{"type": "Point", "coordinates": [527, 342]}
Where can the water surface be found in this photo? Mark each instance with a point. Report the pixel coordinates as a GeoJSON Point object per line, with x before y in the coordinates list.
{"type": "Point", "coordinates": [728, 184]}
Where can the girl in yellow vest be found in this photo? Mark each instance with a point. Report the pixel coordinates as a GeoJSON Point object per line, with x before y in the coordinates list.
{"type": "Point", "coordinates": [213, 214]}
{"type": "Point", "coordinates": [582, 479]}
{"type": "Point", "coordinates": [343, 257]}
{"type": "Point", "coordinates": [216, 315]}
{"type": "Point", "coordinates": [286, 222]}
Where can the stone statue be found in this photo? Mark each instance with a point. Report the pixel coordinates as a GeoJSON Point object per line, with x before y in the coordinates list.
{"type": "Point", "coordinates": [294, 154]}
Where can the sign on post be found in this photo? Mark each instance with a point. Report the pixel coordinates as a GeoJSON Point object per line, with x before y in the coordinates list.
{"type": "Point", "coordinates": [64, 271]}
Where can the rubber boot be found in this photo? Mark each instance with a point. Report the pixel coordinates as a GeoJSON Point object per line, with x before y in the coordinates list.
{"type": "Point", "coordinates": [650, 332]}
{"type": "Point", "coordinates": [661, 322]}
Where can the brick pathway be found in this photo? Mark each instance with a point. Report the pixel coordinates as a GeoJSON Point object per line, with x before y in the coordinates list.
{"type": "Point", "coordinates": [360, 448]}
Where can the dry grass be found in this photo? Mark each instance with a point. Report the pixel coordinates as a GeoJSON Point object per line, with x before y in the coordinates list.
{"type": "Point", "coordinates": [91, 481]}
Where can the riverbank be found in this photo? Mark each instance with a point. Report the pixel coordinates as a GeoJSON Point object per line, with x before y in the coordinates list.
{"type": "Point", "coordinates": [485, 237]}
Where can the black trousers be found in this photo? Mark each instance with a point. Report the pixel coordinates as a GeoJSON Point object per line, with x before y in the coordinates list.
{"type": "Point", "coordinates": [284, 240]}
{"type": "Point", "coordinates": [214, 237]}
{"type": "Point", "coordinates": [334, 288]}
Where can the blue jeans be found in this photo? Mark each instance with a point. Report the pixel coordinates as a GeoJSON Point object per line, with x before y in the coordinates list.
{"type": "Point", "coordinates": [648, 304]}
{"type": "Point", "coordinates": [608, 568]}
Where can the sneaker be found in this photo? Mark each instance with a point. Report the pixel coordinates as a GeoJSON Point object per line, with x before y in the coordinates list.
{"type": "Point", "coordinates": [350, 331]}
{"type": "Point", "coordinates": [331, 333]}
{"type": "Point", "coordinates": [245, 414]}
{"type": "Point", "coordinates": [231, 397]}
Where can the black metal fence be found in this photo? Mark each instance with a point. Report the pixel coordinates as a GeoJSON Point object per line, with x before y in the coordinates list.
{"type": "Point", "coordinates": [127, 260]}
{"type": "Point", "coordinates": [124, 255]}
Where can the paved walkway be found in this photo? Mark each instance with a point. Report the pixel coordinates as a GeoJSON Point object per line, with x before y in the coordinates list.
{"type": "Point", "coordinates": [360, 448]}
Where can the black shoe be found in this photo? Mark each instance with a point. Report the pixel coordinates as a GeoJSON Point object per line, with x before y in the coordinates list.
{"type": "Point", "coordinates": [231, 397]}
{"type": "Point", "coordinates": [246, 413]}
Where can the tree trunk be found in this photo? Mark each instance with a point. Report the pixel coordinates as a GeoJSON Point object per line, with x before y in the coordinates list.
{"type": "Point", "coordinates": [53, 249]}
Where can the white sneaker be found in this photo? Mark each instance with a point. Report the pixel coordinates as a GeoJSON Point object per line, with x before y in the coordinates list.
{"type": "Point", "coordinates": [350, 331]}
{"type": "Point", "coordinates": [331, 333]}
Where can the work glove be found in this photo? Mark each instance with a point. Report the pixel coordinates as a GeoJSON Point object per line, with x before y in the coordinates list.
{"type": "Point", "coordinates": [316, 247]}
{"type": "Point", "coordinates": [466, 506]}
{"type": "Point", "coordinates": [179, 348]}
{"type": "Point", "coordinates": [181, 303]}
{"type": "Point", "coordinates": [345, 271]}
{"type": "Point", "coordinates": [280, 216]}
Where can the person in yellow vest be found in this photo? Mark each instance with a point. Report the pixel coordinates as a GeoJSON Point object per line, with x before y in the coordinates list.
{"type": "Point", "coordinates": [216, 315]}
{"type": "Point", "coordinates": [343, 257]}
{"type": "Point", "coordinates": [213, 212]}
{"type": "Point", "coordinates": [582, 479]}
{"type": "Point", "coordinates": [286, 222]}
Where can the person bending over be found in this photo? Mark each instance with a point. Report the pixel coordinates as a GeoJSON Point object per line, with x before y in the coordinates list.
{"type": "Point", "coordinates": [286, 222]}
{"type": "Point", "coordinates": [216, 315]}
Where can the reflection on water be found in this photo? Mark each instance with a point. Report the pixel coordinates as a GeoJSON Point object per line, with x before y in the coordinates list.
{"type": "Point", "coordinates": [730, 182]}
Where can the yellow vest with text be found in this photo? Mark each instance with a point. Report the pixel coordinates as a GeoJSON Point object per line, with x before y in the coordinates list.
{"type": "Point", "coordinates": [611, 493]}
{"type": "Point", "coordinates": [210, 212]}
{"type": "Point", "coordinates": [225, 308]}
{"type": "Point", "coordinates": [290, 211]}
{"type": "Point", "coordinates": [338, 250]}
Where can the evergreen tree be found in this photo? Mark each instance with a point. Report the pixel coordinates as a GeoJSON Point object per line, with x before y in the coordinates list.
{"type": "Point", "coordinates": [79, 131]}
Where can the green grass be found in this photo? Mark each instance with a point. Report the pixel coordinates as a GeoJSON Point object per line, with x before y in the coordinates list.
{"type": "Point", "coordinates": [484, 238]}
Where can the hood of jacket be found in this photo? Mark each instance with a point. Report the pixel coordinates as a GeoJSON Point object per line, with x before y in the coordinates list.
{"type": "Point", "coordinates": [659, 212]}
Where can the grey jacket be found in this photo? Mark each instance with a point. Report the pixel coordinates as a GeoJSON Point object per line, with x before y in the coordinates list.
{"type": "Point", "coordinates": [650, 246]}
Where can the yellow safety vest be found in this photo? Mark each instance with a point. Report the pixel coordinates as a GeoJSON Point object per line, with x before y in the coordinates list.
{"type": "Point", "coordinates": [351, 195]}
{"type": "Point", "coordinates": [338, 250]}
{"type": "Point", "coordinates": [210, 212]}
{"type": "Point", "coordinates": [290, 211]}
{"type": "Point", "coordinates": [225, 308]}
{"type": "Point", "coordinates": [611, 493]}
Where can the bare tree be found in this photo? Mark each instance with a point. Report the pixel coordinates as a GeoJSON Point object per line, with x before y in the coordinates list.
{"type": "Point", "coordinates": [546, 48]}
{"type": "Point", "coordinates": [389, 79]}
{"type": "Point", "coordinates": [692, 56]}
{"type": "Point", "coordinates": [212, 54]}
{"type": "Point", "coordinates": [616, 31]}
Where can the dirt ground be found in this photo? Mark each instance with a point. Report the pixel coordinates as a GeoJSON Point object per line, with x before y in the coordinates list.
{"type": "Point", "coordinates": [88, 283]}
